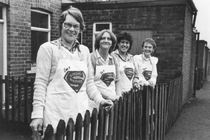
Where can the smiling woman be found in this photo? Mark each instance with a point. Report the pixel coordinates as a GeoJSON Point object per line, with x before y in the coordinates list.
{"type": "Point", "coordinates": [124, 62]}
{"type": "Point", "coordinates": [145, 65]}
{"type": "Point", "coordinates": [105, 69]}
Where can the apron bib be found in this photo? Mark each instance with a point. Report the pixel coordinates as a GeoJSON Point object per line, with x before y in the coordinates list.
{"type": "Point", "coordinates": [147, 71]}
{"type": "Point", "coordinates": [126, 70]}
{"type": "Point", "coordinates": [66, 93]}
{"type": "Point", "coordinates": [104, 79]}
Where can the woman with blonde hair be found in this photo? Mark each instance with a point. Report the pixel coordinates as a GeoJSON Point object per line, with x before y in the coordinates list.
{"type": "Point", "coordinates": [105, 69]}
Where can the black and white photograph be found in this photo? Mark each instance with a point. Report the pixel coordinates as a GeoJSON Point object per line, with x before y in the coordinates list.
{"type": "Point", "coordinates": [104, 70]}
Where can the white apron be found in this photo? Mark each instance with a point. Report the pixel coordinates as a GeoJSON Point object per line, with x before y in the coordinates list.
{"type": "Point", "coordinates": [104, 79]}
{"type": "Point", "coordinates": [147, 70]}
{"type": "Point", "coordinates": [66, 93]}
{"type": "Point", "coordinates": [126, 70]}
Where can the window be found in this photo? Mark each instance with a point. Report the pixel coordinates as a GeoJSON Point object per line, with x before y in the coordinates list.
{"type": "Point", "coordinates": [40, 31]}
{"type": "Point", "coordinates": [3, 41]}
{"type": "Point", "coordinates": [97, 27]}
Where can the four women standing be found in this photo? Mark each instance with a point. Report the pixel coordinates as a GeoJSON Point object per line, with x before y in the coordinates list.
{"type": "Point", "coordinates": [69, 75]}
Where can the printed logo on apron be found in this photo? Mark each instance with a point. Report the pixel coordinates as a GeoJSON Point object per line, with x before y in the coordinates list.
{"type": "Point", "coordinates": [75, 79]}
{"type": "Point", "coordinates": [129, 73]}
{"type": "Point", "coordinates": [107, 78]}
{"type": "Point", "coordinates": [147, 74]}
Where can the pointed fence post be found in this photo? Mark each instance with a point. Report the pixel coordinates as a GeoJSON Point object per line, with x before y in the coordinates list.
{"type": "Point", "coordinates": [7, 98]}
{"type": "Point", "coordinates": [49, 133]}
{"type": "Point", "coordinates": [101, 123]}
{"type": "Point", "coordinates": [1, 97]}
{"type": "Point", "coordinates": [86, 125]}
{"type": "Point", "coordinates": [114, 136]}
{"type": "Point", "coordinates": [25, 100]}
{"type": "Point", "coordinates": [119, 119]}
{"type": "Point", "coordinates": [13, 99]}
{"type": "Point", "coordinates": [60, 133]}
{"type": "Point", "coordinates": [19, 98]}
{"type": "Point", "coordinates": [70, 130]}
{"type": "Point", "coordinates": [110, 125]}
{"type": "Point", "coordinates": [78, 127]}
{"type": "Point", "coordinates": [93, 124]}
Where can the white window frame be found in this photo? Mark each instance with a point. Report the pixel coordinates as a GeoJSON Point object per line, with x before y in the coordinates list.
{"type": "Point", "coordinates": [3, 20]}
{"type": "Point", "coordinates": [47, 30]}
{"type": "Point", "coordinates": [95, 32]}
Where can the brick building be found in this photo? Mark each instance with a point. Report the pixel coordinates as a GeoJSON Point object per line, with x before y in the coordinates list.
{"type": "Point", "coordinates": [202, 63]}
{"type": "Point", "coordinates": [169, 22]}
{"type": "Point", "coordinates": [24, 25]}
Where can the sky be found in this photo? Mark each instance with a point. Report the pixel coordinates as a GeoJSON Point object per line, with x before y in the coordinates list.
{"type": "Point", "coordinates": [203, 19]}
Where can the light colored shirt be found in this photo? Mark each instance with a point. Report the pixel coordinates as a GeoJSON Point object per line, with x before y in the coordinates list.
{"type": "Point", "coordinates": [108, 92]}
{"type": "Point", "coordinates": [126, 71]}
{"type": "Point", "coordinates": [145, 65]}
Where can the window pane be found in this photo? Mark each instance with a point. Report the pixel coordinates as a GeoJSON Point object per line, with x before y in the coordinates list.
{"type": "Point", "coordinates": [39, 20]}
{"type": "Point", "coordinates": [37, 38]}
{"type": "Point", "coordinates": [1, 17]}
{"type": "Point", "coordinates": [100, 27]}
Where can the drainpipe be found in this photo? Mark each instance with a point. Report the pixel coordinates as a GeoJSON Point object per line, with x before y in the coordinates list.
{"type": "Point", "coordinates": [197, 34]}
{"type": "Point", "coordinates": [194, 18]}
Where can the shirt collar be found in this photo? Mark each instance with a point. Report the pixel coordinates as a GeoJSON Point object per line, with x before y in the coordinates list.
{"type": "Point", "coordinates": [74, 47]}
{"type": "Point", "coordinates": [128, 56]}
{"type": "Point", "coordinates": [98, 56]}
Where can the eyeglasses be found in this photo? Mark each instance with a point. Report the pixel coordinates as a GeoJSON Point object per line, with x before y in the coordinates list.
{"type": "Point", "coordinates": [69, 26]}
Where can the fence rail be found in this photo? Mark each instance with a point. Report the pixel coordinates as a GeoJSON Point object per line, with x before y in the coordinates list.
{"type": "Point", "coordinates": [142, 115]}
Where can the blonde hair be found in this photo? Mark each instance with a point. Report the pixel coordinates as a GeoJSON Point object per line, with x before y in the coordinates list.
{"type": "Point", "coordinates": [99, 37]}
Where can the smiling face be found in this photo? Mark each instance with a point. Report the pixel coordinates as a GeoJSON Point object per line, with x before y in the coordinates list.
{"type": "Point", "coordinates": [147, 49]}
{"type": "Point", "coordinates": [105, 42]}
{"type": "Point", "coordinates": [123, 46]}
{"type": "Point", "coordinates": [70, 29]}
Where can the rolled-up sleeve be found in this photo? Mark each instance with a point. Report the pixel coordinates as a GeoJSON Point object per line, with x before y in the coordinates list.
{"type": "Point", "coordinates": [92, 91]}
{"type": "Point", "coordinates": [154, 75]}
{"type": "Point", "coordinates": [43, 67]}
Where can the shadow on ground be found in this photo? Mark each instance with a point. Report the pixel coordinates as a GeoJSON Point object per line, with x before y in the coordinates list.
{"type": "Point", "coordinates": [14, 131]}
{"type": "Point", "coordinates": [194, 120]}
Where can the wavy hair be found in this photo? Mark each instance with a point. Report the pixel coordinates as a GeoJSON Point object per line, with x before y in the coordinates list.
{"type": "Point", "coordinates": [99, 37]}
{"type": "Point", "coordinates": [74, 12]}
{"type": "Point", "coordinates": [124, 36]}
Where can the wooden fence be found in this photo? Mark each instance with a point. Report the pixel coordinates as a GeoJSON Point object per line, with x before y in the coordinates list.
{"type": "Point", "coordinates": [16, 95]}
{"type": "Point", "coordinates": [141, 115]}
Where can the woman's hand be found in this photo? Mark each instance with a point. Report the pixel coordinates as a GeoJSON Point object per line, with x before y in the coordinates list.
{"type": "Point", "coordinates": [36, 124]}
{"type": "Point", "coordinates": [107, 104]}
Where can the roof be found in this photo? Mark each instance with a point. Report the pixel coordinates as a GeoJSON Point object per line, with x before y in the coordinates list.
{"type": "Point", "coordinates": [112, 4]}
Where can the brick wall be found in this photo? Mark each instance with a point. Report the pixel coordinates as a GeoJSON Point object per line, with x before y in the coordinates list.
{"type": "Point", "coordinates": [166, 22]}
{"type": "Point", "coordinates": [171, 26]}
{"type": "Point", "coordinates": [19, 31]}
{"type": "Point", "coordinates": [187, 67]}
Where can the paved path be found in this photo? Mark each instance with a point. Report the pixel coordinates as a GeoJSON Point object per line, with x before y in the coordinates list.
{"type": "Point", "coordinates": [194, 121]}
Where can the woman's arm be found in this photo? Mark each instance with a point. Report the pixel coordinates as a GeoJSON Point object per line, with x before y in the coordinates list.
{"type": "Point", "coordinates": [153, 79]}
{"type": "Point", "coordinates": [43, 67]}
